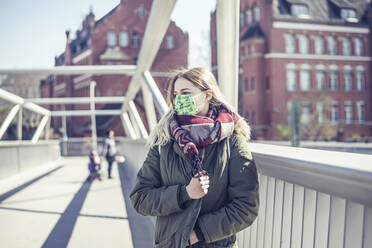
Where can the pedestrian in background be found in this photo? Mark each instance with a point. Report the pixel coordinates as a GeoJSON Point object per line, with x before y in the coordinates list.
{"type": "Point", "coordinates": [109, 151]}
{"type": "Point", "coordinates": [199, 178]}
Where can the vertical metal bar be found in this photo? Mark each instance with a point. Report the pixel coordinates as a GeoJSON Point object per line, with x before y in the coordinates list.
{"type": "Point", "coordinates": [128, 126]}
{"type": "Point", "coordinates": [138, 120]}
{"type": "Point", "coordinates": [149, 107]}
{"type": "Point", "coordinates": [40, 128]}
{"type": "Point", "coordinates": [93, 116]}
{"type": "Point", "coordinates": [159, 100]}
{"type": "Point", "coordinates": [19, 123]}
{"type": "Point", "coordinates": [9, 119]}
{"type": "Point", "coordinates": [47, 129]}
{"type": "Point", "coordinates": [228, 48]}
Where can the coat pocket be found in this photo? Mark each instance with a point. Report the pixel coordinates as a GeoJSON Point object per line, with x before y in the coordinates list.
{"type": "Point", "coordinates": [166, 242]}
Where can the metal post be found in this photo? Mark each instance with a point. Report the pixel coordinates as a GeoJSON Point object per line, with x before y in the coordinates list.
{"type": "Point", "coordinates": [47, 129]}
{"type": "Point", "coordinates": [93, 116]}
{"type": "Point", "coordinates": [128, 126]}
{"type": "Point", "coordinates": [9, 119]}
{"type": "Point", "coordinates": [65, 137]}
{"type": "Point", "coordinates": [228, 48]}
{"type": "Point", "coordinates": [138, 120]}
{"type": "Point", "coordinates": [149, 107]}
{"type": "Point", "coordinates": [19, 124]}
{"type": "Point", "coordinates": [40, 128]}
{"type": "Point", "coordinates": [159, 100]}
{"type": "Point", "coordinates": [295, 126]}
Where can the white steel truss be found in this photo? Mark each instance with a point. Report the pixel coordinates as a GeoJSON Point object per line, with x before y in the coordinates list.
{"type": "Point", "coordinates": [157, 24]}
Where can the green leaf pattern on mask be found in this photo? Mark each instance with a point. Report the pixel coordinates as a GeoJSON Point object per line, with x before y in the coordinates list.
{"type": "Point", "coordinates": [185, 105]}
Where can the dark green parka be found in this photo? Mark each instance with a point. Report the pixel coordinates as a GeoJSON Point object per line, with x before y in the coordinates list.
{"type": "Point", "coordinates": [230, 205]}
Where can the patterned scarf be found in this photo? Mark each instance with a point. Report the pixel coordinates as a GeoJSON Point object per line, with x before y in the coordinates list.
{"type": "Point", "coordinates": [193, 133]}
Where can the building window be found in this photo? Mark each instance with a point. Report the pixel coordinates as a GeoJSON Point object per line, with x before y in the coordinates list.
{"type": "Point", "coordinates": [346, 46]}
{"type": "Point", "coordinates": [141, 12]}
{"type": "Point", "coordinates": [246, 84]}
{"type": "Point", "coordinates": [256, 11]}
{"type": "Point", "coordinates": [253, 84]}
{"type": "Point", "coordinates": [361, 111]}
{"type": "Point", "coordinates": [290, 45]}
{"type": "Point", "coordinates": [334, 112]}
{"type": "Point", "coordinates": [305, 113]}
{"type": "Point", "coordinates": [135, 40]}
{"type": "Point", "coordinates": [109, 92]}
{"type": "Point", "coordinates": [248, 14]}
{"type": "Point", "coordinates": [348, 13]}
{"type": "Point", "coordinates": [253, 117]}
{"type": "Point", "coordinates": [319, 45]}
{"type": "Point", "coordinates": [320, 79]}
{"type": "Point", "coordinates": [305, 80]}
{"type": "Point", "coordinates": [241, 20]}
{"type": "Point", "coordinates": [111, 38]}
{"type": "Point", "coordinates": [170, 41]}
{"type": "Point", "coordinates": [332, 45]}
{"type": "Point", "coordinates": [360, 80]}
{"type": "Point", "coordinates": [320, 112]}
{"type": "Point", "coordinates": [348, 107]}
{"type": "Point", "coordinates": [246, 51]}
{"type": "Point", "coordinates": [333, 80]}
{"type": "Point", "coordinates": [119, 92]}
{"type": "Point", "coordinates": [291, 80]}
{"type": "Point", "coordinates": [304, 44]}
{"type": "Point", "coordinates": [267, 83]}
{"type": "Point", "coordinates": [251, 49]}
{"type": "Point", "coordinates": [348, 81]}
{"type": "Point", "coordinates": [358, 47]}
{"type": "Point", "coordinates": [299, 10]}
{"type": "Point", "coordinates": [124, 42]}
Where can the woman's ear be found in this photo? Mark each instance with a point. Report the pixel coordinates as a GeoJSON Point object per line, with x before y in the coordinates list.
{"type": "Point", "coordinates": [208, 95]}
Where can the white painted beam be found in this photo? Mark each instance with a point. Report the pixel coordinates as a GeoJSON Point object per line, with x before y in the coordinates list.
{"type": "Point", "coordinates": [160, 102]}
{"type": "Point", "coordinates": [13, 112]}
{"type": "Point", "coordinates": [128, 126]}
{"type": "Point", "coordinates": [75, 70]}
{"type": "Point", "coordinates": [228, 48]}
{"type": "Point", "coordinates": [138, 120]}
{"type": "Point", "coordinates": [86, 112]}
{"type": "Point", "coordinates": [156, 28]}
{"type": "Point", "coordinates": [76, 100]}
{"type": "Point", "coordinates": [39, 129]}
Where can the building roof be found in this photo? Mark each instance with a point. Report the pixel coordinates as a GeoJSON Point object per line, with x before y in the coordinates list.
{"type": "Point", "coordinates": [321, 10]}
{"type": "Point", "coordinates": [254, 31]}
{"type": "Point", "coordinates": [107, 15]}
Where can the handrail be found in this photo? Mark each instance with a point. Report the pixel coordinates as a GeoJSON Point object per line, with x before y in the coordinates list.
{"type": "Point", "coordinates": [347, 175]}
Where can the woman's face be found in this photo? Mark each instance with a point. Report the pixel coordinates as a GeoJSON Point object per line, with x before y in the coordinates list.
{"type": "Point", "coordinates": [183, 86]}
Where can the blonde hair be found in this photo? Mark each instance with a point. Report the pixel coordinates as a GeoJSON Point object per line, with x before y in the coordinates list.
{"type": "Point", "coordinates": [204, 80]}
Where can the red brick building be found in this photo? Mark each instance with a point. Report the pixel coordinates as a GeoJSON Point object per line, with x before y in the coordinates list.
{"type": "Point", "coordinates": [115, 39]}
{"type": "Point", "coordinates": [315, 52]}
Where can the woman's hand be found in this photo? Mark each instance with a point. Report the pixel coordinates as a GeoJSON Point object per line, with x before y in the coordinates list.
{"type": "Point", "coordinates": [198, 187]}
{"type": "Point", "coordinates": [193, 238]}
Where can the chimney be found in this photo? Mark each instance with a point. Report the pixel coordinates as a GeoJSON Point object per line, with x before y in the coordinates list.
{"type": "Point", "coordinates": [67, 60]}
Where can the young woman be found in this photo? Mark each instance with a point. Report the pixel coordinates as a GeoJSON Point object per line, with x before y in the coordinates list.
{"type": "Point", "coordinates": [199, 178]}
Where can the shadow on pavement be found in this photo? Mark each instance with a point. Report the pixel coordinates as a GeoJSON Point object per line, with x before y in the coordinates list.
{"type": "Point", "coordinates": [62, 231]}
{"type": "Point", "coordinates": [142, 227]}
{"type": "Point", "coordinates": [12, 192]}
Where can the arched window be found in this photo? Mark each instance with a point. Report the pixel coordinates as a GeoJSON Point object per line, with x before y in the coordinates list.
{"type": "Point", "coordinates": [124, 42]}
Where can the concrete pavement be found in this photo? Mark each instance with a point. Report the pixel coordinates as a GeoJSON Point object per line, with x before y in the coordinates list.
{"type": "Point", "coordinates": [60, 209]}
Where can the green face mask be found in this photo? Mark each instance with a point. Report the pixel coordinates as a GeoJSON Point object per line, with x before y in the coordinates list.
{"type": "Point", "coordinates": [185, 104]}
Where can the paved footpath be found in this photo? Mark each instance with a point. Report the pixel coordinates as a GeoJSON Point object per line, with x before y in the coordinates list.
{"type": "Point", "coordinates": [60, 209]}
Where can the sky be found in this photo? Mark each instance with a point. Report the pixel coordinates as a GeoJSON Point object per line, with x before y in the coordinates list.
{"type": "Point", "coordinates": [32, 33]}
